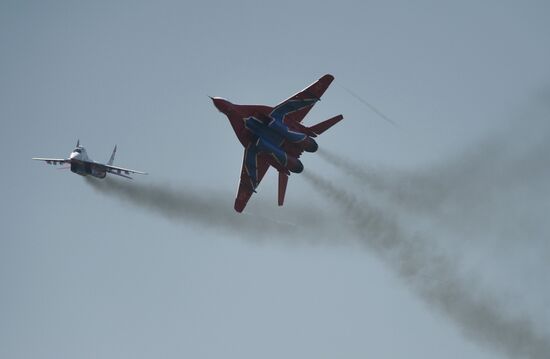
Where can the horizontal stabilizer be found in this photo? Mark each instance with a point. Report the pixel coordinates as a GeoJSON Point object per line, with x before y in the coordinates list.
{"type": "Point", "coordinates": [325, 125]}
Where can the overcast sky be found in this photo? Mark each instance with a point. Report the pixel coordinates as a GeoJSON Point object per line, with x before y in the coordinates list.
{"type": "Point", "coordinates": [89, 274]}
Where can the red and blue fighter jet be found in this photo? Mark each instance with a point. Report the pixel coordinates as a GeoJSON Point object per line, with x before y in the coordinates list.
{"type": "Point", "coordinates": [275, 136]}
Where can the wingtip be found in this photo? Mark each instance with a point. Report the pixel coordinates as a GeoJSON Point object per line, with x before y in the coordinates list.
{"type": "Point", "coordinates": [239, 206]}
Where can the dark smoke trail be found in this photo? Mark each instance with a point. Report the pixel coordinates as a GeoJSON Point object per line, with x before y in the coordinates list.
{"type": "Point", "coordinates": [415, 260]}
{"type": "Point", "coordinates": [476, 313]}
{"type": "Point", "coordinates": [365, 175]}
{"type": "Point", "coordinates": [499, 186]}
{"type": "Point", "coordinates": [503, 163]}
{"type": "Point", "coordinates": [207, 208]}
{"type": "Point", "coordinates": [410, 190]}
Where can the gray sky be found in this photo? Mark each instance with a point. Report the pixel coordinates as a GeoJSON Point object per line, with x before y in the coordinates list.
{"type": "Point", "coordinates": [84, 275]}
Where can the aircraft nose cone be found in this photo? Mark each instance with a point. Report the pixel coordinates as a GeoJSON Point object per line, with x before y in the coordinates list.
{"type": "Point", "coordinates": [221, 104]}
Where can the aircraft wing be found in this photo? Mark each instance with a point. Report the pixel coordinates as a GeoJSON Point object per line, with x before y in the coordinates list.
{"type": "Point", "coordinates": [295, 108]}
{"type": "Point", "coordinates": [53, 161]}
{"type": "Point", "coordinates": [253, 170]}
{"type": "Point", "coordinates": [119, 171]}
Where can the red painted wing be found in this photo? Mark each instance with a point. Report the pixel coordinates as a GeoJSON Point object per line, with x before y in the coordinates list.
{"type": "Point", "coordinates": [245, 185]}
{"type": "Point", "coordinates": [313, 91]}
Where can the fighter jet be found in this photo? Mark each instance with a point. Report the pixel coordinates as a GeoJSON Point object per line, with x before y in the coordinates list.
{"type": "Point", "coordinates": [83, 165]}
{"type": "Point", "coordinates": [274, 136]}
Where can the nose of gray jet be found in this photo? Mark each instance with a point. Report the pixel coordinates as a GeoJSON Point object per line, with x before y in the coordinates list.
{"type": "Point", "coordinates": [221, 104]}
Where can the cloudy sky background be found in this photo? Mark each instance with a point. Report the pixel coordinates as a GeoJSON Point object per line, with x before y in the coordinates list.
{"type": "Point", "coordinates": [84, 274]}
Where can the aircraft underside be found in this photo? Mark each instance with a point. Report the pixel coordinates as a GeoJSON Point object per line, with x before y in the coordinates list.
{"type": "Point", "coordinates": [275, 137]}
{"type": "Point", "coordinates": [87, 169]}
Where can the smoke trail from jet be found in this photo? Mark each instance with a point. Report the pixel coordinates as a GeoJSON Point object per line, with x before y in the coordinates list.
{"type": "Point", "coordinates": [511, 158]}
{"type": "Point", "coordinates": [209, 208]}
{"type": "Point", "coordinates": [411, 190]}
{"type": "Point", "coordinates": [367, 176]}
{"type": "Point", "coordinates": [436, 279]}
{"type": "Point", "coordinates": [488, 168]}
{"type": "Point", "coordinates": [495, 192]}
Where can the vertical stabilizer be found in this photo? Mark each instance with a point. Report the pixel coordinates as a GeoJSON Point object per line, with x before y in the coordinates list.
{"type": "Point", "coordinates": [112, 159]}
{"type": "Point", "coordinates": [283, 180]}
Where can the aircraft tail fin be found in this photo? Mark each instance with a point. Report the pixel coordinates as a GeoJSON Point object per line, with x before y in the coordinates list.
{"type": "Point", "coordinates": [78, 143]}
{"type": "Point", "coordinates": [283, 180]}
{"type": "Point", "coordinates": [325, 125]}
{"type": "Point", "coordinates": [112, 159]}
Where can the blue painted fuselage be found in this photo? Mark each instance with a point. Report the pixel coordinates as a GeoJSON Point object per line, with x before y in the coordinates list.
{"type": "Point", "coordinates": [268, 133]}
{"type": "Point", "coordinates": [269, 136]}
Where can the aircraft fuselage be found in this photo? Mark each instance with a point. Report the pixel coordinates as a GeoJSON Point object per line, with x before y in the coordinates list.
{"type": "Point", "coordinates": [275, 137]}
{"type": "Point", "coordinates": [82, 165]}
{"type": "Point", "coordinates": [86, 169]}
{"type": "Point", "coordinates": [263, 134]}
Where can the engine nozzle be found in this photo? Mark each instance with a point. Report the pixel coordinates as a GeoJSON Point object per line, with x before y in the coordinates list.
{"type": "Point", "coordinates": [294, 165]}
{"type": "Point", "coordinates": [310, 145]}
